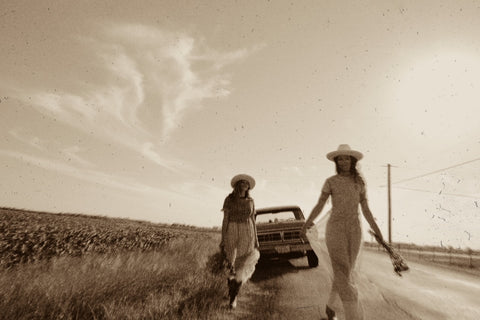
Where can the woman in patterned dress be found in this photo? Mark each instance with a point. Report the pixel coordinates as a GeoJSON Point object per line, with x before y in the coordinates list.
{"type": "Point", "coordinates": [239, 235]}
{"type": "Point", "coordinates": [343, 233]}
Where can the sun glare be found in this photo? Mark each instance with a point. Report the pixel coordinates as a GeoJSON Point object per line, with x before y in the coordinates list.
{"type": "Point", "coordinates": [438, 94]}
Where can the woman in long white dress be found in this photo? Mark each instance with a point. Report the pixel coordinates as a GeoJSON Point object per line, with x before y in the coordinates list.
{"type": "Point", "coordinates": [343, 232]}
{"type": "Point", "coordinates": [239, 235]}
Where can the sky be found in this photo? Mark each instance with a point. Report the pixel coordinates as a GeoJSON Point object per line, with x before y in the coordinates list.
{"type": "Point", "coordinates": [146, 109]}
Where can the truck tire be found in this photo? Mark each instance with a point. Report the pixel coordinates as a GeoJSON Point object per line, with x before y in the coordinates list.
{"type": "Point", "coordinates": [312, 259]}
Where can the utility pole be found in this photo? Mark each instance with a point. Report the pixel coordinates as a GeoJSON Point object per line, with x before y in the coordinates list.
{"type": "Point", "coordinates": [389, 208]}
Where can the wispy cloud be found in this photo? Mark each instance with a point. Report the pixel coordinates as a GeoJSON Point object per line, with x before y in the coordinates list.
{"type": "Point", "coordinates": [169, 63]}
{"type": "Point", "coordinates": [148, 151]}
{"type": "Point", "coordinates": [72, 154]}
{"type": "Point", "coordinates": [32, 141]}
{"type": "Point", "coordinates": [88, 175]}
{"type": "Point", "coordinates": [148, 80]}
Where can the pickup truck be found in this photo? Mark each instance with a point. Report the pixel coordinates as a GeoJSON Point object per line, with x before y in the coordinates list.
{"type": "Point", "coordinates": [279, 234]}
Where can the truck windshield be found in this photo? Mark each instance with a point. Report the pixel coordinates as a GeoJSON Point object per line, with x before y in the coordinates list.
{"type": "Point", "coordinates": [283, 216]}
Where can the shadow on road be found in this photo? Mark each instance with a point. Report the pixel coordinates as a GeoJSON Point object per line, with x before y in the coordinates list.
{"type": "Point", "coordinates": [269, 269]}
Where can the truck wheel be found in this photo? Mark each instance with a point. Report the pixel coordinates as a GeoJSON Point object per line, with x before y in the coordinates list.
{"type": "Point", "coordinates": [312, 259]}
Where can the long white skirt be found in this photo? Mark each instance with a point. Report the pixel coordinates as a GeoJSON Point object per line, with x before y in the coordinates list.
{"type": "Point", "coordinates": [240, 249]}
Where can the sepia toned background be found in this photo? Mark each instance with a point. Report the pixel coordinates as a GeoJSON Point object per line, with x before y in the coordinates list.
{"type": "Point", "coordinates": [147, 109]}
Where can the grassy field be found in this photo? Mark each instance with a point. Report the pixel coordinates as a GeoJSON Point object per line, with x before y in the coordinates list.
{"type": "Point", "coordinates": [60, 266]}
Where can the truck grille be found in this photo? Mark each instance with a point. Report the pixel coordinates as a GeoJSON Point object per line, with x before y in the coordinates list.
{"type": "Point", "coordinates": [291, 235]}
{"type": "Point", "coordinates": [269, 237]}
{"type": "Point", "coordinates": [279, 236]}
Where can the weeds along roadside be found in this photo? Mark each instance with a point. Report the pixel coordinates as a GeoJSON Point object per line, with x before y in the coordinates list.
{"type": "Point", "coordinates": [73, 266]}
{"type": "Point", "coordinates": [171, 283]}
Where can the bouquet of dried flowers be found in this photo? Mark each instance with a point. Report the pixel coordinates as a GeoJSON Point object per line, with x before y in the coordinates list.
{"type": "Point", "coordinates": [399, 264]}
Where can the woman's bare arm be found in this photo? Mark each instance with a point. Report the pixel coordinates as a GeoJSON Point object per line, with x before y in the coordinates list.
{"type": "Point", "coordinates": [316, 210]}
{"type": "Point", "coordinates": [253, 217]}
{"type": "Point", "coordinates": [255, 231]}
{"type": "Point", "coordinates": [224, 226]}
{"type": "Point", "coordinates": [369, 217]}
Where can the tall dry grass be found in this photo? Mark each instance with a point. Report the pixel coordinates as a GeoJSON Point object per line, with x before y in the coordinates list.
{"type": "Point", "coordinates": [172, 283]}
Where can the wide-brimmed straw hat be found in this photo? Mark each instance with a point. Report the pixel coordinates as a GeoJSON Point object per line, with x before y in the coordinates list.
{"type": "Point", "coordinates": [245, 177]}
{"type": "Point", "coordinates": [344, 150]}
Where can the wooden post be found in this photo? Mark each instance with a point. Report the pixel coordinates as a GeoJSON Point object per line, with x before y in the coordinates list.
{"type": "Point", "coordinates": [389, 209]}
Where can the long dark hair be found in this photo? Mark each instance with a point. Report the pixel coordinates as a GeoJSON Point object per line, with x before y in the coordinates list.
{"type": "Point", "coordinates": [353, 170]}
{"type": "Point", "coordinates": [236, 191]}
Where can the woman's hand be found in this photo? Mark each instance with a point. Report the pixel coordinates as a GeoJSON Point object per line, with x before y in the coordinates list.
{"type": "Point", "coordinates": [306, 226]}
{"type": "Point", "coordinates": [222, 246]}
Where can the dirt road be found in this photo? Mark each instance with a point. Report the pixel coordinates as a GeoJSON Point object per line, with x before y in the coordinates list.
{"type": "Point", "coordinates": [425, 292]}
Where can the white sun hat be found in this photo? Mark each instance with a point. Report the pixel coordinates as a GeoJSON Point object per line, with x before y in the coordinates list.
{"type": "Point", "coordinates": [344, 150]}
{"type": "Point", "coordinates": [245, 177]}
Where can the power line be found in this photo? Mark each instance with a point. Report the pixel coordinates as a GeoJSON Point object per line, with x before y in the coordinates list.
{"type": "Point", "coordinates": [440, 193]}
{"type": "Point", "coordinates": [436, 171]}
